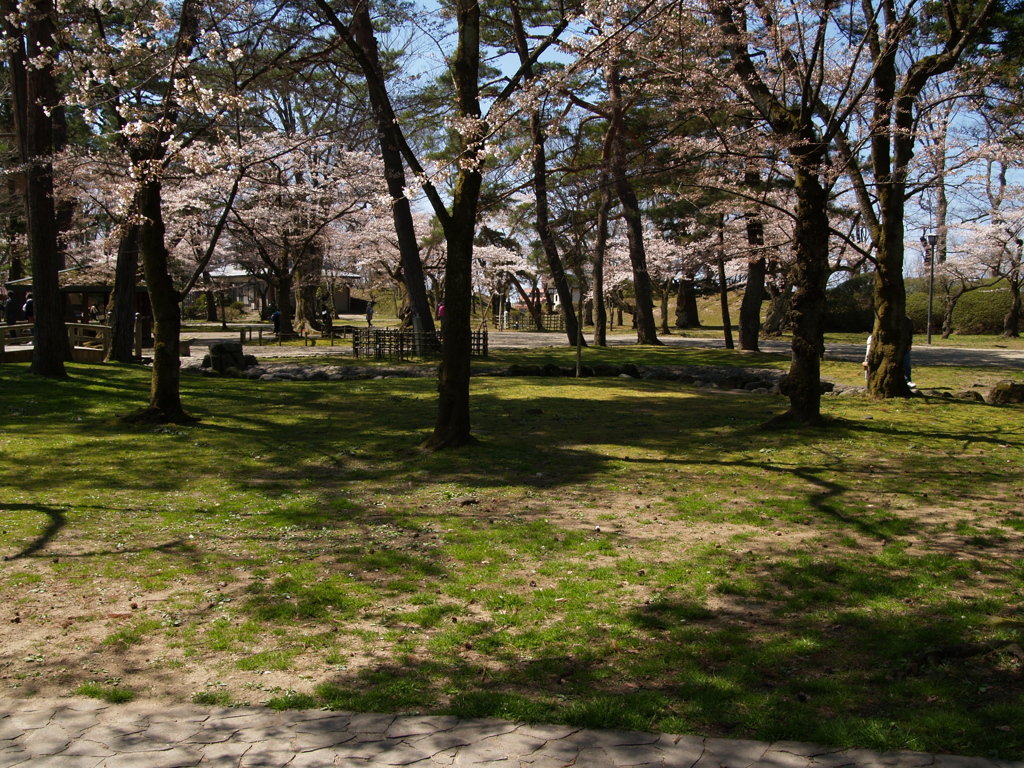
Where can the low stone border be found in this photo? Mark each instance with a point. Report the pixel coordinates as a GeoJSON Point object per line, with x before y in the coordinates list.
{"type": "Point", "coordinates": [756, 381]}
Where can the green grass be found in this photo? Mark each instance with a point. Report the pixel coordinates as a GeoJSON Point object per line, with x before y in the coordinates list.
{"type": "Point", "coordinates": [213, 699]}
{"type": "Point", "coordinates": [112, 694]}
{"type": "Point", "coordinates": [614, 553]}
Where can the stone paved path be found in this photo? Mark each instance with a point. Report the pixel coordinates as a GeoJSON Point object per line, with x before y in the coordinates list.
{"type": "Point", "coordinates": [86, 733]}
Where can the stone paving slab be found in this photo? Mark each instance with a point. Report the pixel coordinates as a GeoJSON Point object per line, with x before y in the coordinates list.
{"type": "Point", "coordinates": [83, 733]}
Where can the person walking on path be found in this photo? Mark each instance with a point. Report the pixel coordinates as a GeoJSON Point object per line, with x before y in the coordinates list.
{"type": "Point", "coordinates": [369, 314]}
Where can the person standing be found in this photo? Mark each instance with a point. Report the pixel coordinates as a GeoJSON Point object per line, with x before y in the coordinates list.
{"type": "Point", "coordinates": [369, 314]}
{"type": "Point", "coordinates": [11, 311]}
{"type": "Point", "coordinates": [908, 342]}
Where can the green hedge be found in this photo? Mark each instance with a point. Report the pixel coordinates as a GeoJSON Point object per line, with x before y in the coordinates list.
{"type": "Point", "coordinates": [978, 311]}
{"type": "Point", "coordinates": [849, 307]}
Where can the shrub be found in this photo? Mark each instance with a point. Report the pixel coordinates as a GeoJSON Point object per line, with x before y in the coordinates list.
{"type": "Point", "coordinates": [234, 310]}
{"type": "Point", "coordinates": [197, 309]}
{"type": "Point", "coordinates": [849, 307]}
{"type": "Point", "coordinates": [982, 311]}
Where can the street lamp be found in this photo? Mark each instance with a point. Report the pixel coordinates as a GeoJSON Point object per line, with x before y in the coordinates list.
{"type": "Point", "coordinates": [928, 248]}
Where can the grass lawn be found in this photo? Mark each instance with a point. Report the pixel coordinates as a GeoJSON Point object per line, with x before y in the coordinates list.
{"type": "Point", "coordinates": [615, 553]}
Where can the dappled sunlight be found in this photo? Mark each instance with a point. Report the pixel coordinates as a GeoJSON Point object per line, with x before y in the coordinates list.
{"type": "Point", "coordinates": [613, 553]}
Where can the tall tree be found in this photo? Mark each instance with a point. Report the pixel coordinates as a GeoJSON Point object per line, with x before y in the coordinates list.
{"type": "Point", "coordinates": [458, 218]}
{"type": "Point", "coordinates": [907, 45]}
{"type": "Point", "coordinates": [394, 171]}
{"type": "Point", "coordinates": [29, 40]}
{"type": "Point", "coordinates": [538, 138]}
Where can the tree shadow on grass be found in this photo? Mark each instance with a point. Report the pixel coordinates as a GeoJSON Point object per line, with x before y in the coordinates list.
{"type": "Point", "coordinates": [831, 674]}
{"type": "Point", "coordinates": [56, 520]}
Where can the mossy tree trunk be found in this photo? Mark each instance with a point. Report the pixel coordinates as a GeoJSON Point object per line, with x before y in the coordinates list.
{"type": "Point", "coordinates": [807, 309]}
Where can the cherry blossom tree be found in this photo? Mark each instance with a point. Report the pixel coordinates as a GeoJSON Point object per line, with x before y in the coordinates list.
{"type": "Point", "coordinates": [290, 205]}
{"type": "Point", "coordinates": [997, 241]}
{"type": "Point", "coordinates": [458, 213]}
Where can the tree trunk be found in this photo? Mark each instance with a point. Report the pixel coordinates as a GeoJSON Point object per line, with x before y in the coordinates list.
{"type": "Point", "coordinates": [533, 307]}
{"type": "Point", "coordinates": [544, 233]}
{"type": "Point", "coordinates": [33, 92]}
{"type": "Point", "coordinates": [600, 250]}
{"type": "Point", "coordinates": [885, 364]}
{"type": "Point", "coordinates": [776, 317]}
{"type": "Point", "coordinates": [807, 311]}
{"type": "Point", "coordinates": [121, 310]}
{"type": "Point", "coordinates": [211, 301]}
{"type": "Point", "coordinates": [664, 294]}
{"type": "Point", "coordinates": [64, 214]}
{"type": "Point", "coordinates": [164, 394]}
{"type": "Point", "coordinates": [540, 188]}
{"type": "Point", "coordinates": [723, 295]}
{"type": "Point", "coordinates": [284, 289]}
{"type": "Point", "coordinates": [452, 428]}
{"type": "Point", "coordinates": [687, 313]}
{"type": "Point", "coordinates": [1011, 323]}
{"type": "Point", "coordinates": [750, 309]}
{"type": "Point", "coordinates": [394, 174]}
{"type": "Point", "coordinates": [164, 298]}
{"type": "Point", "coordinates": [646, 330]}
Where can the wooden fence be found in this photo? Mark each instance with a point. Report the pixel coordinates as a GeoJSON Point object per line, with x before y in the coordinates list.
{"type": "Point", "coordinates": [523, 321]}
{"type": "Point", "coordinates": [89, 342]}
{"type": "Point", "coordinates": [387, 343]}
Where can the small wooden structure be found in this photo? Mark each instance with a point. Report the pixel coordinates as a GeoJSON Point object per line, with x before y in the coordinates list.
{"type": "Point", "coordinates": [388, 343]}
{"type": "Point", "coordinates": [89, 342]}
{"type": "Point", "coordinates": [84, 288]}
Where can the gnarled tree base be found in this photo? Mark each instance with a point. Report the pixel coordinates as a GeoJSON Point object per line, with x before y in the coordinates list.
{"type": "Point", "coordinates": [152, 415]}
{"type": "Point", "coordinates": [434, 443]}
{"type": "Point", "coordinates": [794, 419]}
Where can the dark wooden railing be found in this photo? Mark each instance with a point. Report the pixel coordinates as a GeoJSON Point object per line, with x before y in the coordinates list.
{"type": "Point", "coordinates": [387, 343]}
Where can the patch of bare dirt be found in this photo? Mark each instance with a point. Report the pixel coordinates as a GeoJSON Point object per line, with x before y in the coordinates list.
{"type": "Point", "coordinates": [57, 633]}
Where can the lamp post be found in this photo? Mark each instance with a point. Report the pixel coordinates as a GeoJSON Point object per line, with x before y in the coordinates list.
{"type": "Point", "coordinates": [928, 248]}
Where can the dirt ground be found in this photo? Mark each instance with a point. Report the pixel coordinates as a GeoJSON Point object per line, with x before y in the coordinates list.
{"type": "Point", "coordinates": [56, 633]}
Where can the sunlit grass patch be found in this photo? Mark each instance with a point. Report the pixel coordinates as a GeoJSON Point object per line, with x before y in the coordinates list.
{"type": "Point", "coordinates": [610, 542]}
{"type": "Point", "coordinates": [112, 694]}
{"type": "Point", "coordinates": [132, 635]}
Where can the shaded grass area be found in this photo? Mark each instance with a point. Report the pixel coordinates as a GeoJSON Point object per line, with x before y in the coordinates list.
{"type": "Point", "coordinates": [615, 553]}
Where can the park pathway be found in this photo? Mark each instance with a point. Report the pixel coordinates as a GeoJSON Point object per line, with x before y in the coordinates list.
{"type": "Point", "coordinates": [86, 733]}
{"type": "Point", "coordinates": [1011, 359]}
